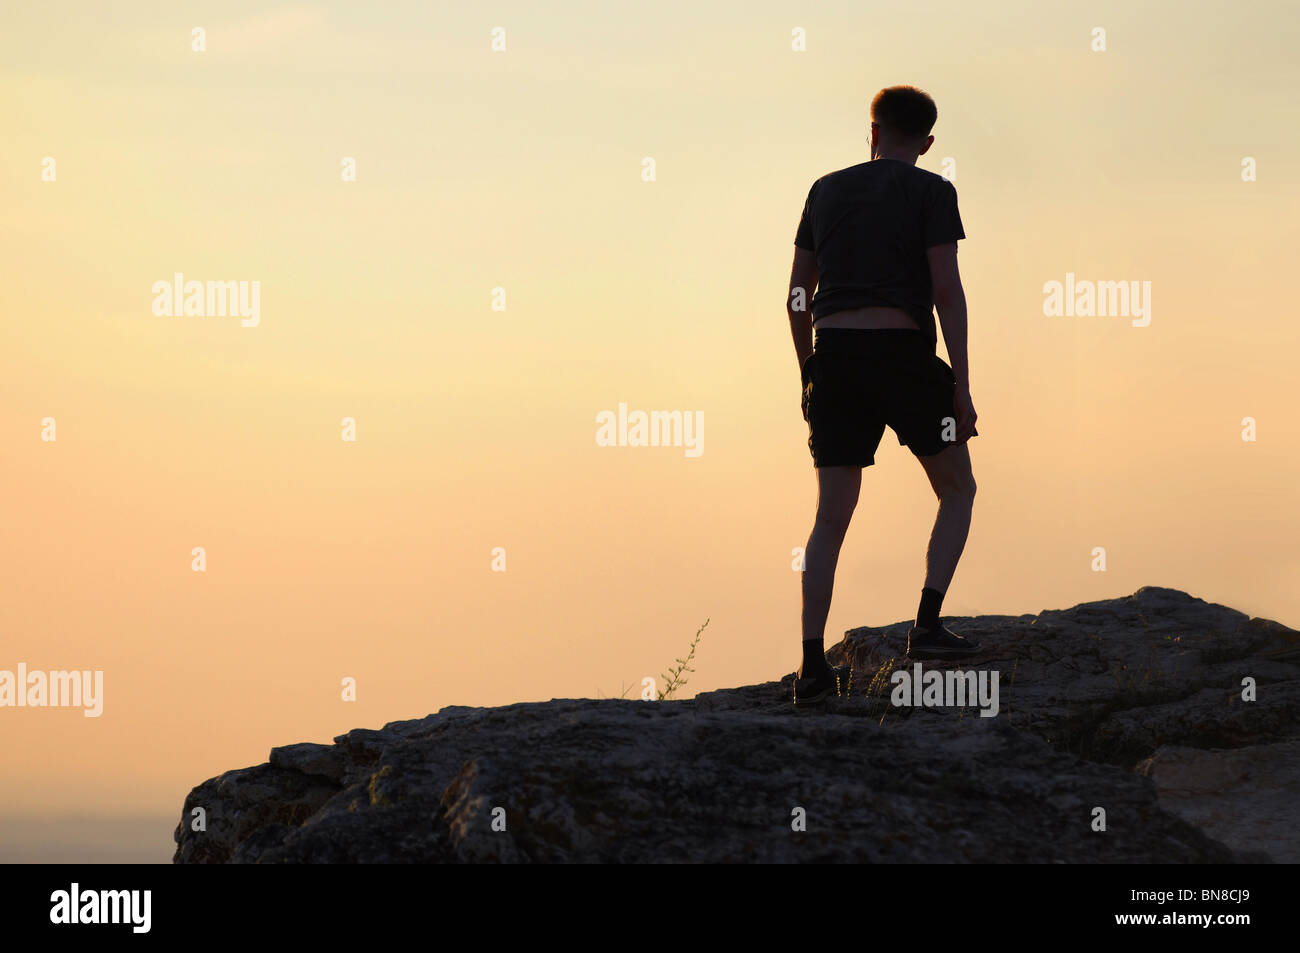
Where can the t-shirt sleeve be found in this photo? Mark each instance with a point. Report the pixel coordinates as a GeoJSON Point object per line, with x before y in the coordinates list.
{"type": "Point", "coordinates": [803, 237]}
{"type": "Point", "coordinates": [942, 220]}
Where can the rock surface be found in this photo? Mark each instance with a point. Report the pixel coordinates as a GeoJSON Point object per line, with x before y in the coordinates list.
{"type": "Point", "coordinates": [1243, 795]}
{"type": "Point", "coordinates": [1132, 705]}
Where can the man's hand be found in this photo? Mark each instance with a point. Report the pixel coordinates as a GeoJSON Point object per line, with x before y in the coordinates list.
{"type": "Point", "coordinates": [964, 408]}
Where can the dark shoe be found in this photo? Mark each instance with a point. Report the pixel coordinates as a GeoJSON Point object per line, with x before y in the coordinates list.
{"type": "Point", "coordinates": [940, 643]}
{"type": "Point", "coordinates": [816, 688]}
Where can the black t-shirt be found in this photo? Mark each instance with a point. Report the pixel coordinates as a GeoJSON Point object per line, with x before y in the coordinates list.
{"type": "Point", "coordinates": [870, 225]}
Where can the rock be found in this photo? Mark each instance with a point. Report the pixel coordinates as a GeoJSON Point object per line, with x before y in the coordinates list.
{"type": "Point", "coordinates": [324, 760]}
{"type": "Point", "coordinates": [1113, 680]}
{"type": "Point", "coordinates": [1247, 796]}
{"type": "Point", "coordinates": [239, 804]}
{"type": "Point", "coordinates": [1111, 704]}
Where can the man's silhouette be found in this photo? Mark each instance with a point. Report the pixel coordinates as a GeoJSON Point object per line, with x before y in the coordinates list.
{"type": "Point", "coordinates": [878, 241]}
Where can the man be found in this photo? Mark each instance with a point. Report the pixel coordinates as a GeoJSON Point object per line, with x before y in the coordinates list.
{"type": "Point", "coordinates": [878, 241]}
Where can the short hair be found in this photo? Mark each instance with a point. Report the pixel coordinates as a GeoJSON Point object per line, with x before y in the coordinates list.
{"type": "Point", "coordinates": [905, 110]}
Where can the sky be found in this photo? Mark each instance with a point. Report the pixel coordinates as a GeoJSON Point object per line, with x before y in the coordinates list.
{"type": "Point", "coordinates": [502, 269]}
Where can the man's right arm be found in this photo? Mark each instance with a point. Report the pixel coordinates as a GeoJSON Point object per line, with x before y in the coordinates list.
{"type": "Point", "coordinates": [950, 302]}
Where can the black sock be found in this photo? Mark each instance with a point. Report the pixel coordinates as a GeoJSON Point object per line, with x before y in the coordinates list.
{"type": "Point", "coordinates": [927, 616]}
{"type": "Point", "coordinates": [814, 658]}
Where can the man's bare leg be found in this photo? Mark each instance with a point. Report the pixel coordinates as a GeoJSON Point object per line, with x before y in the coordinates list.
{"type": "Point", "coordinates": [837, 496]}
{"type": "Point", "coordinates": [950, 475]}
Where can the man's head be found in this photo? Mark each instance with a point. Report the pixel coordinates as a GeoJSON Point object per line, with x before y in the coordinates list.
{"type": "Point", "coordinates": [901, 120]}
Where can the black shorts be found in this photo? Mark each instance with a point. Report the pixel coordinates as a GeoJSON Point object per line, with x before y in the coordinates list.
{"type": "Point", "coordinates": [857, 382]}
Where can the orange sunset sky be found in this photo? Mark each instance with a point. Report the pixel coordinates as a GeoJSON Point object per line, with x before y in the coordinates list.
{"type": "Point", "coordinates": [522, 169]}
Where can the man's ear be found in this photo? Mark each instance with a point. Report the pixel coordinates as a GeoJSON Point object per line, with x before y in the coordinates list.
{"type": "Point", "coordinates": [929, 141]}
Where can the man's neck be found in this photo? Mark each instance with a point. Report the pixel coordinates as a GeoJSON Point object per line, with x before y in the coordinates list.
{"type": "Point", "coordinates": [909, 158]}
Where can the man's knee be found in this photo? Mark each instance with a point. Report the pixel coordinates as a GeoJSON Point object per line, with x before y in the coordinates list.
{"type": "Point", "coordinates": [957, 486]}
{"type": "Point", "coordinates": [950, 475]}
{"type": "Point", "coordinates": [834, 519]}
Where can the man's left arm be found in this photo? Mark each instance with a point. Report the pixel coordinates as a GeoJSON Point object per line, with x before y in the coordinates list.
{"type": "Point", "coordinates": [798, 303]}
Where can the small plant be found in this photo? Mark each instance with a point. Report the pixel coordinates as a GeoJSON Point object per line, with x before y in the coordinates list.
{"type": "Point", "coordinates": [880, 681]}
{"type": "Point", "coordinates": [878, 688]}
{"type": "Point", "coordinates": [675, 677]}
